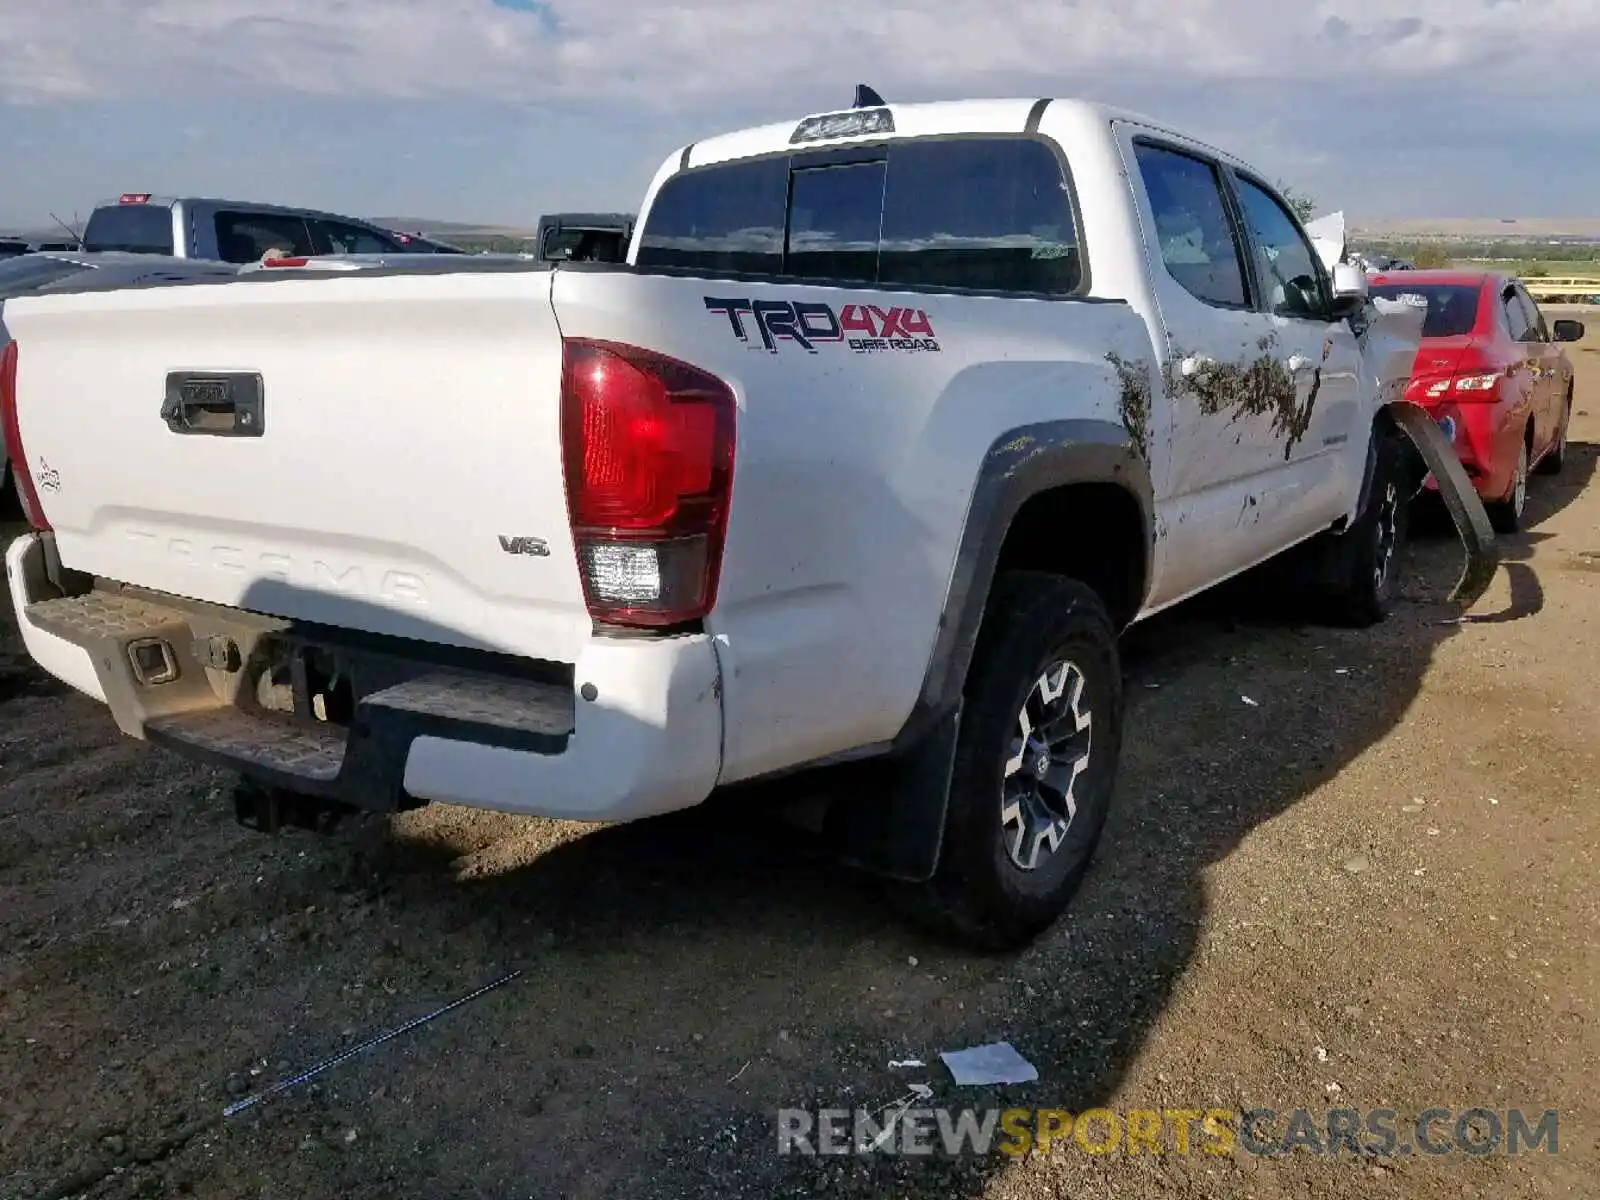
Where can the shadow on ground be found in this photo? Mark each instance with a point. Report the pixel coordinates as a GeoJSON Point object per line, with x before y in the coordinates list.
{"type": "Point", "coordinates": [684, 978]}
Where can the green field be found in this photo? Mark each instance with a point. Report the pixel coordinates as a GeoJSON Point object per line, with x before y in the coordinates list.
{"type": "Point", "coordinates": [1539, 268]}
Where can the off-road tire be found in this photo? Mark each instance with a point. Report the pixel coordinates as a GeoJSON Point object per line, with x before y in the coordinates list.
{"type": "Point", "coordinates": [1359, 571]}
{"type": "Point", "coordinates": [1507, 515]}
{"type": "Point", "coordinates": [1034, 624]}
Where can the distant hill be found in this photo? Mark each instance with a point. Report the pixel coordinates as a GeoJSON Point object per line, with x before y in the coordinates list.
{"type": "Point", "coordinates": [429, 227]}
{"type": "Point", "coordinates": [1506, 229]}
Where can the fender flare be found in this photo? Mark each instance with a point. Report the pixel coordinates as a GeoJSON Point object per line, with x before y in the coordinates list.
{"type": "Point", "coordinates": [1019, 465]}
{"type": "Point", "coordinates": [894, 824]}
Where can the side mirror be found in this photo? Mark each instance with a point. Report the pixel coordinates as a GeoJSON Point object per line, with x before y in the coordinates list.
{"type": "Point", "coordinates": [1349, 290]}
{"type": "Point", "coordinates": [1566, 331]}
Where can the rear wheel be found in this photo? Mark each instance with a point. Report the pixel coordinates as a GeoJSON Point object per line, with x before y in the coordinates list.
{"type": "Point", "coordinates": [1553, 461]}
{"type": "Point", "coordinates": [1506, 515]}
{"type": "Point", "coordinates": [1363, 561]}
{"type": "Point", "coordinates": [1035, 763]}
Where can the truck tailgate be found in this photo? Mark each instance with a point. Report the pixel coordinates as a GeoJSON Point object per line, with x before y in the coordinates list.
{"type": "Point", "coordinates": [402, 474]}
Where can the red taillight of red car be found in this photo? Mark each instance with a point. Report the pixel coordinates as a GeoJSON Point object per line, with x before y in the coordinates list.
{"type": "Point", "coordinates": [647, 448]}
{"type": "Point", "coordinates": [1466, 385]}
{"type": "Point", "coordinates": [23, 474]}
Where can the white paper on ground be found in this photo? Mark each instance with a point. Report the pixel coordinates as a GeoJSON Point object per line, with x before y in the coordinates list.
{"type": "Point", "coordinates": [995, 1063]}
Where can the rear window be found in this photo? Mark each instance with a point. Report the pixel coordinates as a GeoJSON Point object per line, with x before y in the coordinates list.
{"type": "Point", "coordinates": [135, 228]}
{"type": "Point", "coordinates": [1452, 307]}
{"type": "Point", "coordinates": [19, 276]}
{"type": "Point", "coordinates": [985, 213]}
{"type": "Point", "coordinates": [724, 218]}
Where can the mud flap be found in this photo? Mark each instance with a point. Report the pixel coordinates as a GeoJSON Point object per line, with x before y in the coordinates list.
{"type": "Point", "coordinates": [892, 821]}
{"type": "Point", "coordinates": [1460, 497]}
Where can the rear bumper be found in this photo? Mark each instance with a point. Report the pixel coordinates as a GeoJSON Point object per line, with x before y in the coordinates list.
{"type": "Point", "coordinates": [1486, 439]}
{"type": "Point", "coordinates": [634, 728]}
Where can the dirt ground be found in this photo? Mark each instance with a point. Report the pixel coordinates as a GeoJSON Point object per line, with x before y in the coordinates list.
{"type": "Point", "coordinates": [1372, 884]}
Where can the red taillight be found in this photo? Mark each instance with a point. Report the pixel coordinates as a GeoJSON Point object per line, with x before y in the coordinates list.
{"type": "Point", "coordinates": [284, 262]}
{"type": "Point", "coordinates": [20, 470]}
{"type": "Point", "coordinates": [135, 198]}
{"type": "Point", "coordinates": [647, 448]}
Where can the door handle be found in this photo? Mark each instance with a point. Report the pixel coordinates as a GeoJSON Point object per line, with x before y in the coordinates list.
{"type": "Point", "coordinates": [1196, 363]}
{"type": "Point", "coordinates": [214, 404]}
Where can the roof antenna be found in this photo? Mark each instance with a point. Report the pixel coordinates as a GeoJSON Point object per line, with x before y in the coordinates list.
{"type": "Point", "coordinates": [867, 98]}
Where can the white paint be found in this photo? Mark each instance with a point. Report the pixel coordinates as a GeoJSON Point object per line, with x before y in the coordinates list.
{"type": "Point", "coordinates": [413, 419]}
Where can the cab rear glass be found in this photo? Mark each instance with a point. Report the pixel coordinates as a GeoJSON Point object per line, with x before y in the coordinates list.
{"type": "Point", "coordinates": [982, 213]}
{"type": "Point", "coordinates": [135, 228]}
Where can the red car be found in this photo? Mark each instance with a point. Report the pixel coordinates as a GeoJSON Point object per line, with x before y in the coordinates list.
{"type": "Point", "coordinates": [1493, 374]}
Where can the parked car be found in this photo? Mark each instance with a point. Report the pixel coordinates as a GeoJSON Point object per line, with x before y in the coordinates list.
{"type": "Point", "coordinates": [43, 272]}
{"type": "Point", "coordinates": [1494, 374]}
{"type": "Point", "coordinates": [585, 237]}
{"type": "Point", "coordinates": [858, 460]}
{"type": "Point", "coordinates": [13, 247]}
{"type": "Point", "coordinates": [229, 230]}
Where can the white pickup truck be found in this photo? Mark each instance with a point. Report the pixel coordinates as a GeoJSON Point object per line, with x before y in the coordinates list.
{"type": "Point", "coordinates": [893, 420]}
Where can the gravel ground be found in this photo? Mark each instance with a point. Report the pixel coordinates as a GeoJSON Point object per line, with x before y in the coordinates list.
{"type": "Point", "coordinates": [1373, 887]}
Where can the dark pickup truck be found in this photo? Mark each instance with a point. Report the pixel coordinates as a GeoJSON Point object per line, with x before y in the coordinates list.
{"type": "Point", "coordinates": [585, 237]}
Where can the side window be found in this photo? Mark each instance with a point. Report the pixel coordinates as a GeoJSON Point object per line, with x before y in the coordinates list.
{"type": "Point", "coordinates": [350, 239]}
{"type": "Point", "coordinates": [1192, 227]}
{"type": "Point", "coordinates": [1286, 264]}
{"type": "Point", "coordinates": [834, 217]}
{"type": "Point", "coordinates": [978, 213]}
{"type": "Point", "coordinates": [1516, 317]}
{"type": "Point", "coordinates": [1535, 318]}
{"type": "Point", "coordinates": [246, 237]}
{"type": "Point", "coordinates": [722, 218]}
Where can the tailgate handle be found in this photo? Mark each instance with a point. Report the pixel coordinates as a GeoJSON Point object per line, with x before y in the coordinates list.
{"type": "Point", "coordinates": [216, 403]}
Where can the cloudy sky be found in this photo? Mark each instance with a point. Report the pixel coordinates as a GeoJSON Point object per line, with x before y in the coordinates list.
{"type": "Point", "coordinates": [497, 110]}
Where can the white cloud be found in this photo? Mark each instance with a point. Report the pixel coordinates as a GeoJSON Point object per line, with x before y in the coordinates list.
{"type": "Point", "coordinates": [738, 55]}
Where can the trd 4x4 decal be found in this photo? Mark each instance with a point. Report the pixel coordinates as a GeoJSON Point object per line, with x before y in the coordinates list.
{"type": "Point", "coordinates": [865, 328]}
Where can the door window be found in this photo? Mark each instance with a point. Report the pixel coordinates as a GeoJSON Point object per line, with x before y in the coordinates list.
{"type": "Point", "coordinates": [1535, 319]}
{"type": "Point", "coordinates": [1516, 316]}
{"type": "Point", "coordinates": [340, 238]}
{"type": "Point", "coordinates": [244, 237]}
{"type": "Point", "coordinates": [1196, 237]}
{"type": "Point", "coordinates": [1286, 265]}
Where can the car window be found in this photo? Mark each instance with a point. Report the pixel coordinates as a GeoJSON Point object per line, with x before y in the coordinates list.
{"type": "Point", "coordinates": [244, 237]}
{"type": "Point", "coordinates": [1286, 263]}
{"type": "Point", "coordinates": [136, 228]}
{"type": "Point", "coordinates": [1192, 229]}
{"type": "Point", "coordinates": [1452, 307]}
{"type": "Point", "coordinates": [339, 238]}
{"type": "Point", "coordinates": [1515, 316]}
{"type": "Point", "coordinates": [1534, 317]}
{"type": "Point", "coordinates": [988, 213]}
{"type": "Point", "coordinates": [722, 218]}
{"type": "Point", "coordinates": [835, 214]}
{"type": "Point", "coordinates": [19, 276]}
